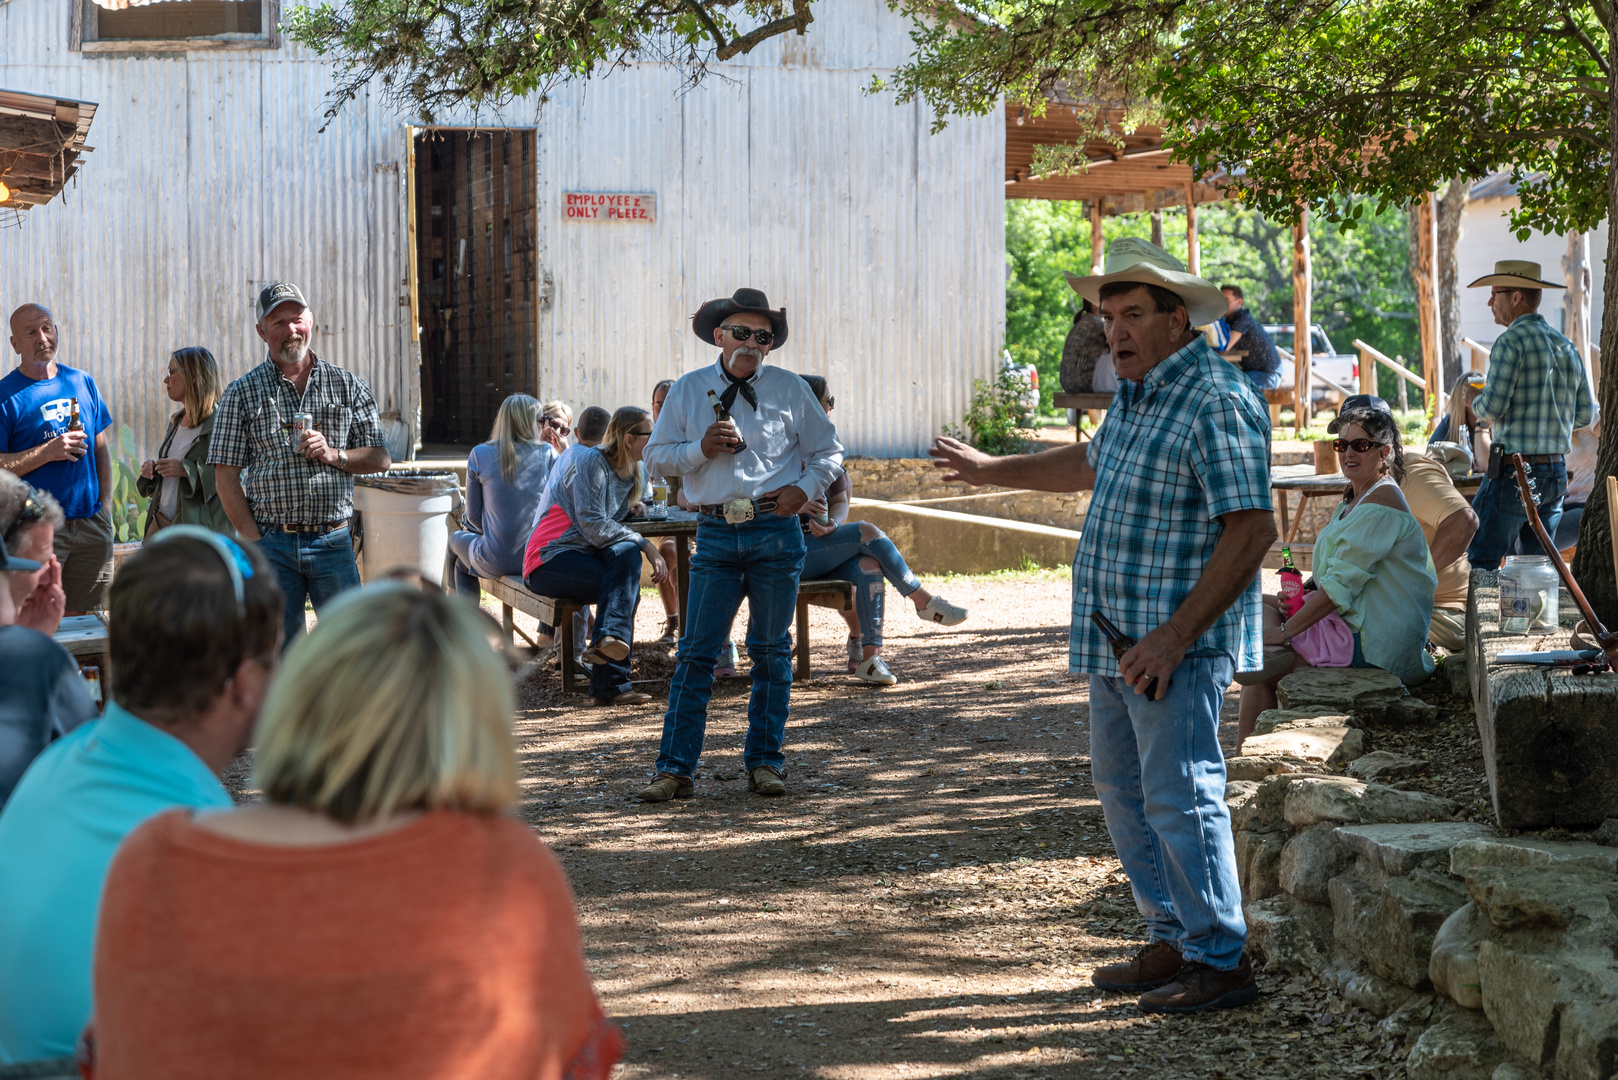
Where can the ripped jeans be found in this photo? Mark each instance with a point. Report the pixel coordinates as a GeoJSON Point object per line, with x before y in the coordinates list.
{"type": "Point", "coordinates": [838, 555]}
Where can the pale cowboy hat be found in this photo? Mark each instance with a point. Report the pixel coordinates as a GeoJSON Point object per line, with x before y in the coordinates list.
{"type": "Point", "coordinates": [713, 313]}
{"type": "Point", "coordinates": [1516, 272]}
{"type": "Point", "coordinates": [1130, 258]}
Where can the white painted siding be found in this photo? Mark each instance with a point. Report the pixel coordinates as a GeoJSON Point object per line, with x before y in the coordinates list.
{"type": "Point", "coordinates": [884, 243]}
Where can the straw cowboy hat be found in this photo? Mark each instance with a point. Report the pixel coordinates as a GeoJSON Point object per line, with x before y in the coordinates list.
{"type": "Point", "coordinates": [1130, 258]}
{"type": "Point", "coordinates": [712, 314]}
{"type": "Point", "coordinates": [1516, 272]}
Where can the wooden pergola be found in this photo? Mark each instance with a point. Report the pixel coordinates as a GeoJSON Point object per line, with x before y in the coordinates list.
{"type": "Point", "coordinates": [41, 143]}
{"type": "Point", "coordinates": [1131, 173]}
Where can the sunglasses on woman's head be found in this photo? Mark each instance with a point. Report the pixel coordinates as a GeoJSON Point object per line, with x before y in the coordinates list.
{"type": "Point", "coordinates": [742, 333]}
{"type": "Point", "coordinates": [1359, 446]}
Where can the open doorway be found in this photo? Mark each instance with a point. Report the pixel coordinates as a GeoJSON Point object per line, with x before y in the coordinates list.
{"type": "Point", "coordinates": [476, 273]}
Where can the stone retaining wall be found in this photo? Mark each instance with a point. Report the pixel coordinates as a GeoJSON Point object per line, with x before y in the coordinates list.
{"type": "Point", "coordinates": [1498, 956]}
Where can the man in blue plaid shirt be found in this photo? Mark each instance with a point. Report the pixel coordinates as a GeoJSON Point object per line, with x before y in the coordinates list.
{"type": "Point", "coordinates": [1536, 394]}
{"type": "Point", "coordinates": [1172, 544]}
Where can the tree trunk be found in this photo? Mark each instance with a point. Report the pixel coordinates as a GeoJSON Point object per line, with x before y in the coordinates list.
{"type": "Point", "coordinates": [1302, 317]}
{"type": "Point", "coordinates": [1592, 565]}
{"type": "Point", "coordinates": [1576, 300]}
{"type": "Point", "coordinates": [1450, 208]}
{"type": "Point", "coordinates": [1424, 241]}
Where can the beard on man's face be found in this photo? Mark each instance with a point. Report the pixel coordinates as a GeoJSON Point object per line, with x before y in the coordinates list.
{"type": "Point", "coordinates": [293, 350]}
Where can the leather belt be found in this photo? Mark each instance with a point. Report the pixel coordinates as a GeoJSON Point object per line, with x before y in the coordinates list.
{"type": "Point", "coordinates": [760, 506]}
{"type": "Point", "coordinates": [319, 530]}
{"type": "Point", "coordinates": [1542, 459]}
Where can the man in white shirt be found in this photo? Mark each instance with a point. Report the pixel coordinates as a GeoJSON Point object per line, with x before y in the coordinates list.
{"type": "Point", "coordinates": [748, 475]}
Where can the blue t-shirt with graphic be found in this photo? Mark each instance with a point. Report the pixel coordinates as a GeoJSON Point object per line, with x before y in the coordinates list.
{"type": "Point", "coordinates": [35, 411]}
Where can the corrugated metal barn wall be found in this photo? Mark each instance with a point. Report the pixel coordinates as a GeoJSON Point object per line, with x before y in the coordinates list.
{"type": "Point", "coordinates": [210, 178]}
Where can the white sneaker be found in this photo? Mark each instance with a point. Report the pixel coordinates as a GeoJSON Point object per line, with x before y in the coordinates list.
{"type": "Point", "coordinates": [874, 671]}
{"type": "Point", "coordinates": [941, 611]}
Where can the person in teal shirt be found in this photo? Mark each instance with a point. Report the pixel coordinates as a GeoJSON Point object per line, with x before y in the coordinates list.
{"type": "Point", "coordinates": [192, 643]}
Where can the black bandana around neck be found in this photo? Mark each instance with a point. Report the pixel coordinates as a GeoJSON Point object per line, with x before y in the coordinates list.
{"type": "Point", "coordinates": [728, 398]}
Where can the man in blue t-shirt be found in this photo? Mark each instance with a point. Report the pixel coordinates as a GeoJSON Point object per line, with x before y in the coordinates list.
{"type": "Point", "coordinates": [53, 430]}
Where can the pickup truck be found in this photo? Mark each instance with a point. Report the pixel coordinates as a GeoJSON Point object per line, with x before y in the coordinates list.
{"type": "Point", "coordinates": [1327, 364]}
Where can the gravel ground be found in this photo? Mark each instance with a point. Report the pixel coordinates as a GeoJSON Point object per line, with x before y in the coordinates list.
{"type": "Point", "coordinates": [928, 899]}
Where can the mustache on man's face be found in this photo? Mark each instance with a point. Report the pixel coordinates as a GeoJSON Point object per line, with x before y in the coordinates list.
{"type": "Point", "coordinates": [754, 353]}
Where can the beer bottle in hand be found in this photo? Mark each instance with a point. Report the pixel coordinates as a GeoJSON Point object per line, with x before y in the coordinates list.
{"type": "Point", "coordinates": [1291, 585]}
{"type": "Point", "coordinates": [721, 413]}
{"type": "Point", "coordinates": [73, 421]}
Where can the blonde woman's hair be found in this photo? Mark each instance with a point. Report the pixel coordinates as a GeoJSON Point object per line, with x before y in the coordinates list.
{"type": "Point", "coordinates": [396, 701]}
{"type": "Point", "coordinates": [557, 408]}
{"type": "Point", "coordinates": [202, 384]}
{"type": "Point", "coordinates": [615, 446]}
{"type": "Point", "coordinates": [516, 422]}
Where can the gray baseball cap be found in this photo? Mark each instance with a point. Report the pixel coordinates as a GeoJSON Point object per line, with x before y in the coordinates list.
{"type": "Point", "coordinates": [1361, 401]}
{"type": "Point", "coordinates": [273, 296]}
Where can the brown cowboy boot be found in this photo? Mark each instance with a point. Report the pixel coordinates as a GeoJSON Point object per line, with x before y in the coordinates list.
{"type": "Point", "coordinates": [1153, 965]}
{"type": "Point", "coordinates": [1198, 986]}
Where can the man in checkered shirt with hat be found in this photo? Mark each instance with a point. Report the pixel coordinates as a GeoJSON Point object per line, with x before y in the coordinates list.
{"type": "Point", "coordinates": [1172, 543]}
{"type": "Point", "coordinates": [298, 496]}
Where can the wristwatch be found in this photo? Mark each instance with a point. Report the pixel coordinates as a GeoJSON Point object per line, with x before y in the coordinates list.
{"type": "Point", "coordinates": [342, 459]}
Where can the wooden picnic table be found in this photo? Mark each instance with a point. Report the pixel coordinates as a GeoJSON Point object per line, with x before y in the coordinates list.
{"type": "Point", "coordinates": [682, 526]}
{"type": "Point", "coordinates": [1312, 485]}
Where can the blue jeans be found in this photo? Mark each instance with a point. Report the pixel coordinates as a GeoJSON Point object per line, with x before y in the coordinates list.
{"type": "Point", "coordinates": [837, 556]}
{"type": "Point", "coordinates": [1160, 776]}
{"type": "Point", "coordinates": [313, 565]}
{"type": "Point", "coordinates": [760, 560]}
{"type": "Point", "coordinates": [1264, 380]}
{"type": "Point", "coordinates": [609, 578]}
{"type": "Point", "coordinates": [1502, 519]}
{"type": "Point", "coordinates": [468, 567]}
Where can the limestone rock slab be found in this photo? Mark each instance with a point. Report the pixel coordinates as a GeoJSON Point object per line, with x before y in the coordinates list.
{"type": "Point", "coordinates": [1316, 716]}
{"type": "Point", "coordinates": [1291, 936]}
{"type": "Point", "coordinates": [1332, 746]}
{"type": "Point", "coordinates": [1513, 898]}
{"type": "Point", "coordinates": [1529, 852]}
{"type": "Point", "coordinates": [1381, 766]}
{"type": "Point", "coordinates": [1410, 712]}
{"type": "Point", "coordinates": [1367, 990]}
{"type": "Point", "coordinates": [1263, 810]}
{"type": "Point", "coordinates": [1258, 863]}
{"type": "Point", "coordinates": [1257, 766]}
{"type": "Point", "coordinates": [1239, 791]}
{"type": "Point", "coordinates": [1396, 935]}
{"type": "Point", "coordinates": [1587, 1043]}
{"type": "Point", "coordinates": [1310, 800]}
{"type": "Point", "coordinates": [1398, 849]}
{"type": "Point", "coordinates": [1454, 964]}
{"type": "Point", "coordinates": [1523, 997]}
{"type": "Point", "coordinates": [1461, 1046]}
{"type": "Point", "coordinates": [1353, 903]}
{"type": "Point", "coordinates": [1310, 860]}
{"type": "Point", "coordinates": [1364, 692]}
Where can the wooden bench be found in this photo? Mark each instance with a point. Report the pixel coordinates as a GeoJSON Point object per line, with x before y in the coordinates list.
{"type": "Point", "coordinates": [514, 595]}
{"type": "Point", "coordinates": [1276, 398]}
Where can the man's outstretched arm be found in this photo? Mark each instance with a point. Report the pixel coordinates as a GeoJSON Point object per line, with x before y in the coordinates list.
{"type": "Point", "coordinates": [1065, 468]}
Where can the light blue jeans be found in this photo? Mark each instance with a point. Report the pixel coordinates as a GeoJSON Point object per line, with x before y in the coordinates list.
{"type": "Point", "coordinates": [759, 560]}
{"type": "Point", "coordinates": [1160, 776]}
{"type": "Point", "coordinates": [837, 556]}
{"type": "Point", "coordinates": [313, 565]}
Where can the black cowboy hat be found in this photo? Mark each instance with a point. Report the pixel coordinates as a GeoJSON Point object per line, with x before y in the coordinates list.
{"type": "Point", "coordinates": [713, 313]}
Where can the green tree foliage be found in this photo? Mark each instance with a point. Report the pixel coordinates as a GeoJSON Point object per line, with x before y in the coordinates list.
{"type": "Point", "coordinates": [1362, 278]}
{"type": "Point", "coordinates": [432, 54]}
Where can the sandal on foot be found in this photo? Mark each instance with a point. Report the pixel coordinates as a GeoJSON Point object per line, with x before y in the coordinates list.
{"type": "Point", "coordinates": [856, 653]}
{"type": "Point", "coordinates": [941, 611]}
{"type": "Point", "coordinates": [874, 671]}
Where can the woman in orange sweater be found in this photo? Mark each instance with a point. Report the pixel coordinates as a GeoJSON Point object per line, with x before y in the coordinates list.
{"type": "Point", "coordinates": [380, 915]}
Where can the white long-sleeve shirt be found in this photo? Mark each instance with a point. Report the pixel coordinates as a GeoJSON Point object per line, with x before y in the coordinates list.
{"type": "Point", "coordinates": [790, 439]}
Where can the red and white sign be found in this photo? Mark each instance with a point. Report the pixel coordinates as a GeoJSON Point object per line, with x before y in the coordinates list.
{"type": "Point", "coordinates": [582, 206]}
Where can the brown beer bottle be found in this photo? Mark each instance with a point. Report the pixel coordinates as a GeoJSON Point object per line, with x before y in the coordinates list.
{"type": "Point", "coordinates": [721, 413]}
{"type": "Point", "coordinates": [73, 421]}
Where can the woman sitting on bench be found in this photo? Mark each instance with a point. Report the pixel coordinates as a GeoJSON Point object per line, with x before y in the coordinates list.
{"type": "Point", "coordinates": [581, 550]}
{"type": "Point", "coordinates": [504, 479]}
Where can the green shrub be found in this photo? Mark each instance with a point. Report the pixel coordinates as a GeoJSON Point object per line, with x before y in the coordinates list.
{"type": "Point", "coordinates": [990, 423]}
{"type": "Point", "coordinates": [128, 505]}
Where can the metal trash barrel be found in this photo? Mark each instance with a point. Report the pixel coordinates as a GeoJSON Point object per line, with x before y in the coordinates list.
{"type": "Point", "coordinates": [405, 521]}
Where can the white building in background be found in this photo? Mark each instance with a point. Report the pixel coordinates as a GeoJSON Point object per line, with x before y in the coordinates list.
{"type": "Point", "coordinates": [210, 177]}
{"type": "Point", "coordinates": [1487, 236]}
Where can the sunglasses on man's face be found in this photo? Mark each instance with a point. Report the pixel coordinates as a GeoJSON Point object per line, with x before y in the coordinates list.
{"type": "Point", "coordinates": [557, 426]}
{"type": "Point", "coordinates": [742, 333]}
{"type": "Point", "coordinates": [1359, 446]}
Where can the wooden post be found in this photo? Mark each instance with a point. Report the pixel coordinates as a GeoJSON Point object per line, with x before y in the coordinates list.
{"type": "Point", "coordinates": [1193, 244]}
{"type": "Point", "coordinates": [1426, 273]}
{"type": "Point", "coordinates": [1157, 226]}
{"type": "Point", "coordinates": [410, 234]}
{"type": "Point", "coordinates": [1095, 236]}
{"type": "Point", "coordinates": [1576, 301]}
{"type": "Point", "coordinates": [1302, 317]}
{"type": "Point", "coordinates": [1367, 379]}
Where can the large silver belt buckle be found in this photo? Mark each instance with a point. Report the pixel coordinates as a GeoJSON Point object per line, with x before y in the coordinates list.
{"type": "Point", "coordinates": [738, 511]}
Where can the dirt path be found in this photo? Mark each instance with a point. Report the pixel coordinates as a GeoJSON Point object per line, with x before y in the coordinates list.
{"type": "Point", "coordinates": [927, 900]}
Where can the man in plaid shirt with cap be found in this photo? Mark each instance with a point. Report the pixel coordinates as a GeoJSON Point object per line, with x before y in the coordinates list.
{"type": "Point", "coordinates": [1536, 394]}
{"type": "Point", "coordinates": [298, 494]}
{"type": "Point", "coordinates": [1170, 553]}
